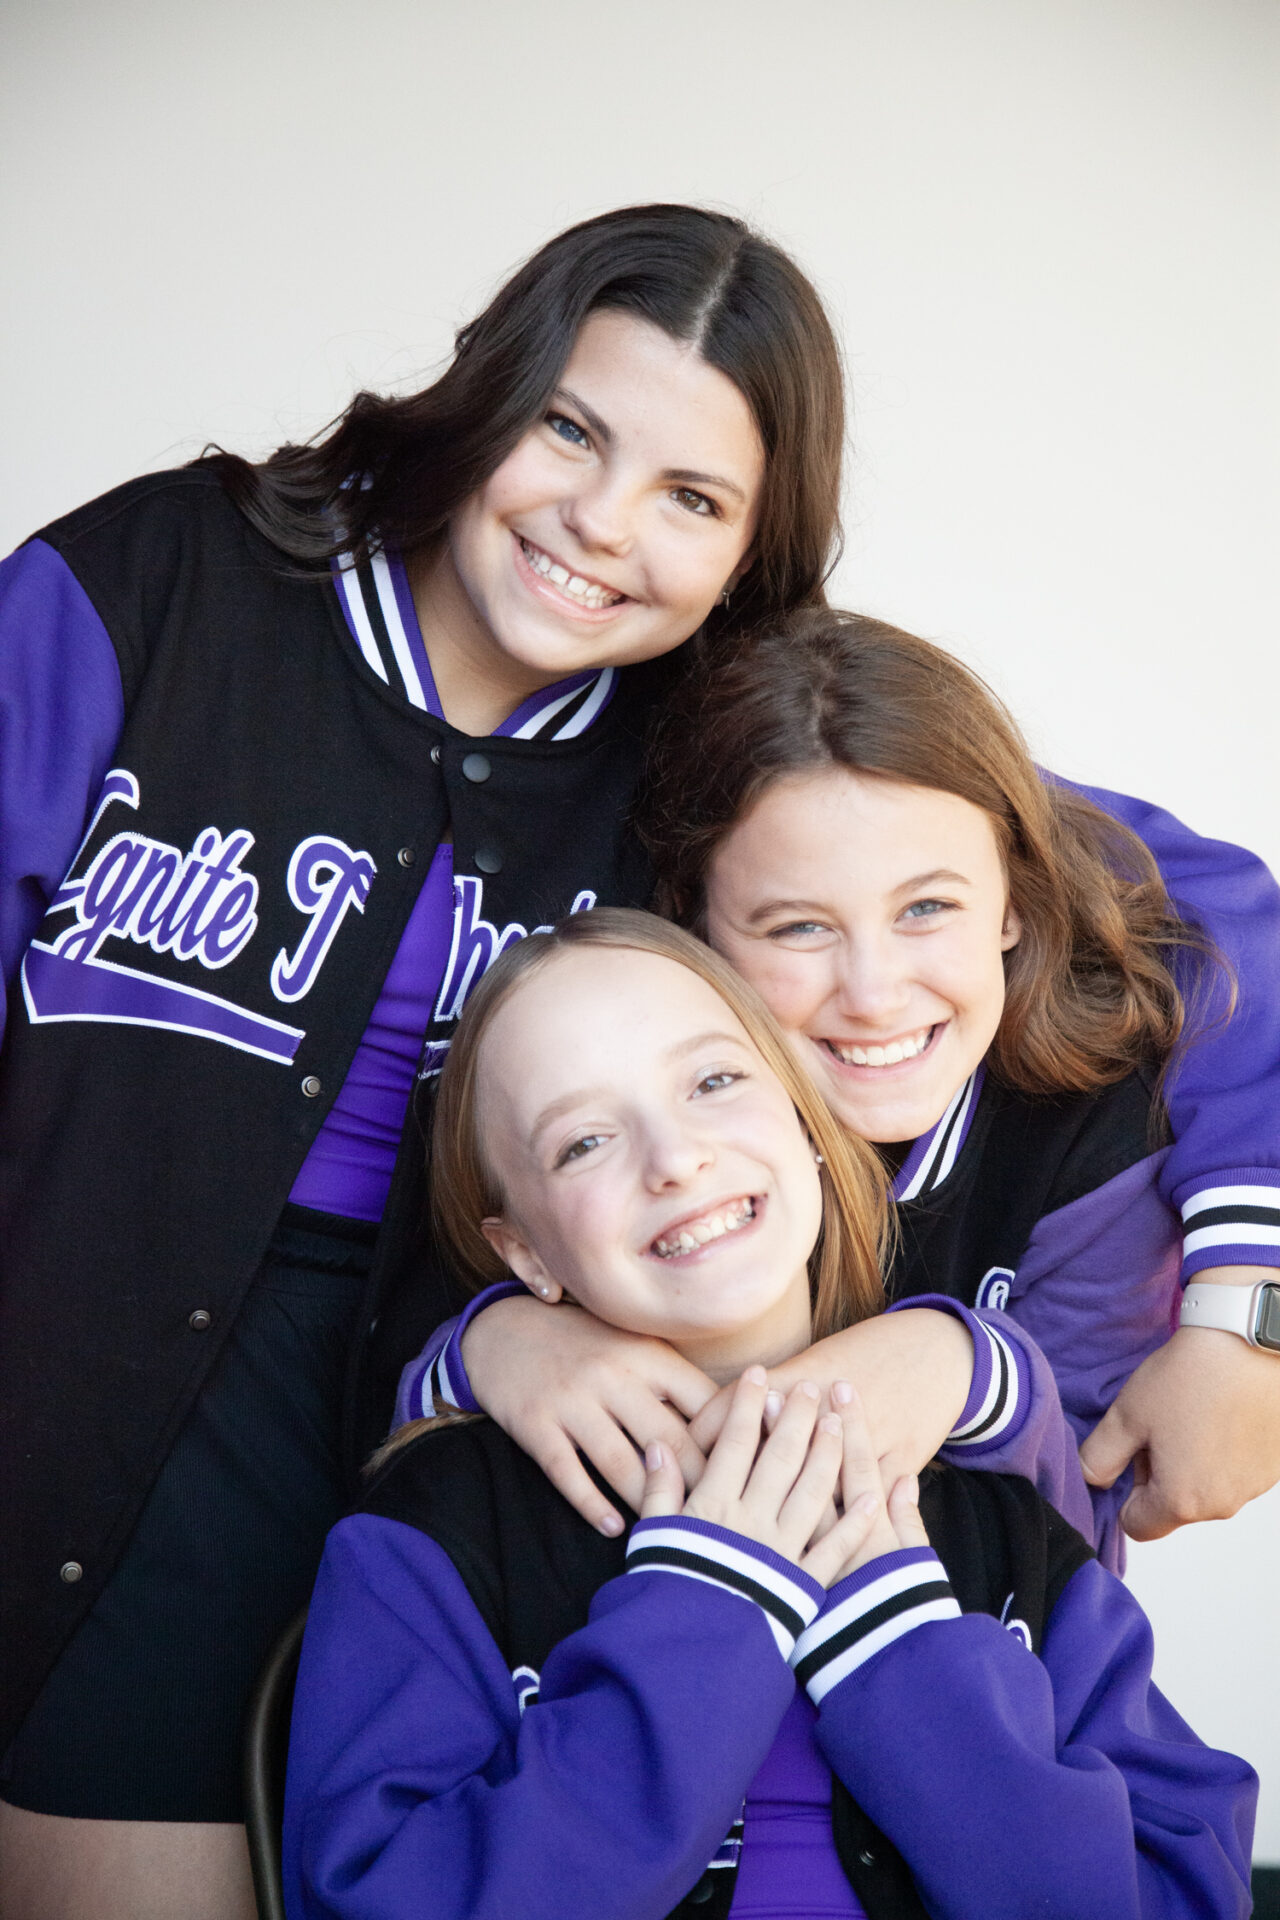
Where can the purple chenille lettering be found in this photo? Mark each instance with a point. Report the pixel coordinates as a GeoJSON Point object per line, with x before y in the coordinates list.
{"type": "Point", "coordinates": [219, 857]}
{"type": "Point", "coordinates": [106, 882]}
{"type": "Point", "coordinates": [223, 877]}
{"type": "Point", "coordinates": [325, 878]}
{"type": "Point", "coordinates": [476, 945]}
{"type": "Point", "coordinates": [147, 899]}
{"type": "Point", "coordinates": [232, 923]}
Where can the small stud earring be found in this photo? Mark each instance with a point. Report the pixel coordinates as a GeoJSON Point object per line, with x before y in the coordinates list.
{"type": "Point", "coordinates": [724, 597]}
{"type": "Point", "coordinates": [818, 1160]}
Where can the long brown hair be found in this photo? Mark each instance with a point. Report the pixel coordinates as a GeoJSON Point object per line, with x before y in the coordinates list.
{"type": "Point", "coordinates": [1089, 994]}
{"type": "Point", "coordinates": [706, 279]}
{"type": "Point", "coordinates": [845, 1266]}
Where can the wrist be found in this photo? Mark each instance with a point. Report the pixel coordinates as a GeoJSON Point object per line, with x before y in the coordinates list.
{"type": "Point", "coordinates": [1251, 1311]}
{"type": "Point", "coordinates": [1236, 1276]}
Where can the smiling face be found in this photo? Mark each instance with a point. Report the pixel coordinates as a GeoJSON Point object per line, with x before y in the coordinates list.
{"type": "Point", "coordinates": [873, 918]}
{"type": "Point", "coordinates": [608, 533]}
{"type": "Point", "coordinates": [651, 1166]}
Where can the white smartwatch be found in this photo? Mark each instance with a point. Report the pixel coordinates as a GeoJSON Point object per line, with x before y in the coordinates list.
{"type": "Point", "coordinates": [1252, 1312]}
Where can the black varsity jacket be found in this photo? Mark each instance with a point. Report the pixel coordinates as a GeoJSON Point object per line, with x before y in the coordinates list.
{"type": "Point", "coordinates": [195, 995]}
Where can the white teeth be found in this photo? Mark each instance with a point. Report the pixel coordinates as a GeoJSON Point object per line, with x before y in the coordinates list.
{"type": "Point", "coordinates": [699, 1233]}
{"type": "Point", "coordinates": [571, 583]}
{"type": "Point", "coordinates": [889, 1056]}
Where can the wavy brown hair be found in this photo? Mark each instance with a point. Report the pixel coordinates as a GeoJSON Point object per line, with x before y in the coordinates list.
{"type": "Point", "coordinates": [707, 279]}
{"type": "Point", "coordinates": [466, 1188]}
{"type": "Point", "coordinates": [1090, 992]}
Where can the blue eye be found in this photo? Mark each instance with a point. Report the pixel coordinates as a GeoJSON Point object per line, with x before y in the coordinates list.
{"type": "Point", "coordinates": [568, 429]}
{"type": "Point", "coordinates": [797, 930]}
{"type": "Point", "coordinates": [927, 909]}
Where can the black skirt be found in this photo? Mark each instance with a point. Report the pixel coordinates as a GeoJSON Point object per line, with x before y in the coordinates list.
{"type": "Point", "coordinates": [143, 1716]}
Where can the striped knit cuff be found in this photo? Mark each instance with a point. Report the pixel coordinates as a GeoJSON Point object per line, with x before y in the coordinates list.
{"type": "Point", "coordinates": [442, 1383]}
{"type": "Point", "coordinates": [1232, 1222]}
{"type": "Point", "coordinates": [875, 1606]}
{"type": "Point", "coordinates": [997, 1403]}
{"type": "Point", "coordinates": [1000, 1390]}
{"type": "Point", "coordinates": [700, 1550]}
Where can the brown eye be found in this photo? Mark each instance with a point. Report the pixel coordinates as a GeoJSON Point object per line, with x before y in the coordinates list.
{"type": "Point", "coordinates": [699, 503]}
{"type": "Point", "coordinates": [578, 1149]}
{"type": "Point", "coordinates": [716, 1082]}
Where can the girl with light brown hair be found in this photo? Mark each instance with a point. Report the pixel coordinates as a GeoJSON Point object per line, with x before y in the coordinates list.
{"type": "Point", "coordinates": [985, 975]}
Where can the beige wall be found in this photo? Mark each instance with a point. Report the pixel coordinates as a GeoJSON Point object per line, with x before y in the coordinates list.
{"type": "Point", "coordinates": [1048, 230]}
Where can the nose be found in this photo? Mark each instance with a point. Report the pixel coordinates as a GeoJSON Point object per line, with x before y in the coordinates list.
{"type": "Point", "coordinates": [600, 512]}
{"type": "Point", "coordinates": [871, 983]}
{"type": "Point", "coordinates": [674, 1154]}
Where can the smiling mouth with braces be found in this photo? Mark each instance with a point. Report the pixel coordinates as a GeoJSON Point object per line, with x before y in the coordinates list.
{"type": "Point", "coordinates": [701, 1232]}
{"type": "Point", "coordinates": [588, 592]}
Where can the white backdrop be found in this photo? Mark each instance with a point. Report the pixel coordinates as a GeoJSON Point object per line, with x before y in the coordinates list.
{"type": "Point", "coordinates": [1047, 229]}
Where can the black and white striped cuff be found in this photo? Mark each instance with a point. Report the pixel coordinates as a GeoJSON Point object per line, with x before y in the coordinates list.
{"type": "Point", "coordinates": [788, 1599]}
{"type": "Point", "coordinates": [866, 1613]}
{"type": "Point", "coordinates": [996, 1404]}
{"type": "Point", "coordinates": [1236, 1223]}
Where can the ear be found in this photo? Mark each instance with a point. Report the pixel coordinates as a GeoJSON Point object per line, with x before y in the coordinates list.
{"type": "Point", "coordinates": [516, 1253]}
{"type": "Point", "coordinates": [1011, 931]}
{"type": "Point", "coordinates": [744, 565]}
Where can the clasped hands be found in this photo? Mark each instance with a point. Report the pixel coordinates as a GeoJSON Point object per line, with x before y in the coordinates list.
{"type": "Point", "coordinates": [798, 1477]}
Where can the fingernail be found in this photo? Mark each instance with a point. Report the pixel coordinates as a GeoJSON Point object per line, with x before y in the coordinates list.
{"type": "Point", "coordinates": [756, 1376]}
{"type": "Point", "coordinates": [653, 1455]}
{"type": "Point", "coordinates": [809, 1391]}
{"type": "Point", "coordinates": [841, 1393]}
{"type": "Point", "coordinates": [865, 1503]}
{"type": "Point", "coordinates": [773, 1404]}
{"type": "Point", "coordinates": [829, 1424]}
{"type": "Point", "coordinates": [611, 1525]}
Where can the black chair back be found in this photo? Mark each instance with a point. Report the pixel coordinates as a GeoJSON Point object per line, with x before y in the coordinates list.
{"type": "Point", "coordinates": [266, 1753]}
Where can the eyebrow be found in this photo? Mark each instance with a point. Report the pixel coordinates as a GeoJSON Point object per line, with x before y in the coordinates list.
{"type": "Point", "coordinates": [679, 476]}
{"type": "Point", "coordinates": [927, 880]}
{"type": "Point", "coordinates": [768, 908]}
{"type": "Point", "coordinates": [581, 1095]}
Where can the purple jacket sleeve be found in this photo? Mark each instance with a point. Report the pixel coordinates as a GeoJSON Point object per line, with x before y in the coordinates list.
{"type": "Point", "coordinates": [1013, 1421]}
{"type": "Point", "coordinates": [1223, 1172]}
{"type": "Point", "coordinates": [61, 712]}
{"type": "Point", "coordinates": [418, 1788]}
{"type": "Point", "coordinates": [1061, 1785]}
{"type": "Point", "coordinates": [438, 1373]}
{"type": "Point", "coordinates": [1097, 1291]}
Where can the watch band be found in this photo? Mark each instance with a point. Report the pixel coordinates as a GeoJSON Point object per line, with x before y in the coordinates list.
{"type": "Point", "coordinates": [1252, 1312]}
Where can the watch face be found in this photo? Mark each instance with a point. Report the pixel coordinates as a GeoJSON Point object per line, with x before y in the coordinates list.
{"type": "Point", "coordinates": [1267, 1319]}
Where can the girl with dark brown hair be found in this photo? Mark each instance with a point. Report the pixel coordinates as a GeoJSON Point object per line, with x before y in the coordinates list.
{"type": "Point", "coordinates": [296, 750]}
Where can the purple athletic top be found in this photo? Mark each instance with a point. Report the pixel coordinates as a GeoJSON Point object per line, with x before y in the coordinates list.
{"type": "Point", "coordinates": [788, 1867]}
{"type": "Point", "coordinates": [349, 1167]}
